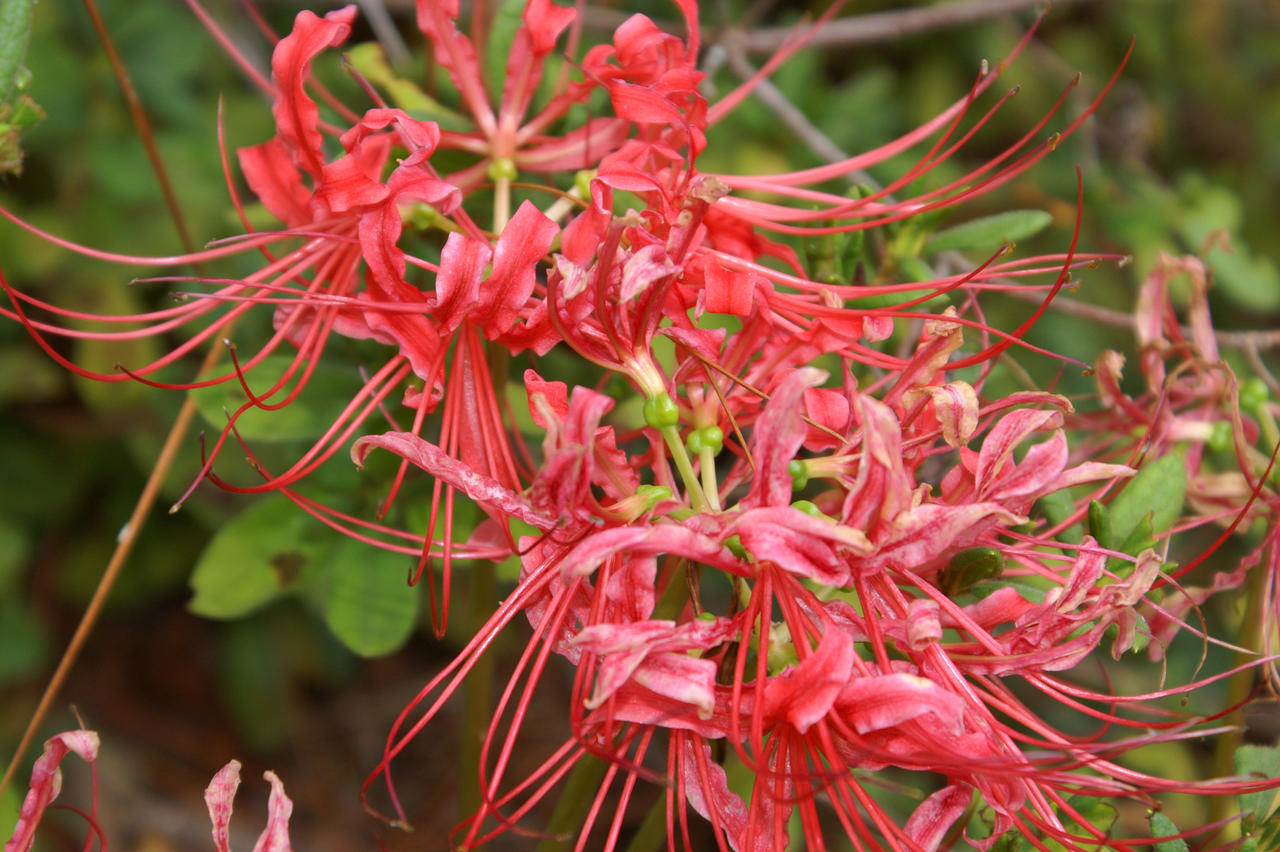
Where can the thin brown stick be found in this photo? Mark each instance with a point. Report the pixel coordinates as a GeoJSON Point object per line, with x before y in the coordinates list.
{"type": "Point", "coordinates": [143, 125]}
{"type": "Point", "coordinates": [146, 500]}
{"type": "Point", "coordinates": [887, 26]}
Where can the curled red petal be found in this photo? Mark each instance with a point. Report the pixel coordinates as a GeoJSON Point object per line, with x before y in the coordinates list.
{"type": "Point", "coordinates": [297, 117]}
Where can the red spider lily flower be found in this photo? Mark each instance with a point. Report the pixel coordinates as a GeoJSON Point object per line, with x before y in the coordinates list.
{"type": "Point", "coordinates": [709, 609]}
{"type": "Point", "coordinates": [348, 214]}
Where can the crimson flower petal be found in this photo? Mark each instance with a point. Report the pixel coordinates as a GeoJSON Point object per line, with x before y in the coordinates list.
{"type": "Point", "coordinates": [297, 117]}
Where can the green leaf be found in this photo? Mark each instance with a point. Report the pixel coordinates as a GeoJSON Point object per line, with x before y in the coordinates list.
{"type": "Point", "coordinates": [1100, 524]}
{"type": "Point", "coordinates": [15, 33]}
{"type": "Point", "coordinates": [1162, 826]}
{"type": "Point", "coordinates": [257, 557]}
{"type": "Point", "coordinates": [1056, 508]}
{"type": "Point", "coordinates": [1257, 762]}
{"type": "Point", "coordinates": [307, 416]}
{"type": "Point", "coordinates": [371, 61]}
{"type": "Point", "coordinates": [1096, 812]}
{"type": "Point", "coordinates": [989, 232]}
{"type": "Point", "coordinates": [1158, 489]}
{"type": "Point", "coordinates": [370, 606]}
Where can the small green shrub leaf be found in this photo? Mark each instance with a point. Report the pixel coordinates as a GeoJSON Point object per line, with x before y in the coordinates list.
{"type": "Point", "coordinates": [260, 555]}
{"type": "Point", "coordinates": [988, 232]}
{"type": "Point", "coordinates": [1159, 490]}
{"type": "Point", "coordinates": [1162, 826]}
{"type": "Point", "coordinates": [369, 605]}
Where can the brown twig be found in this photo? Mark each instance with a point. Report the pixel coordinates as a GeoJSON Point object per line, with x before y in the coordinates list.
{"type": "Point", "coordinates": [124, 545]}
{"type": "Point", "coordinates": [146, 500]}
{"type": "Point", "coordinates": [143, 125]}
{"type": "Point", "coordinates": [887, 26]}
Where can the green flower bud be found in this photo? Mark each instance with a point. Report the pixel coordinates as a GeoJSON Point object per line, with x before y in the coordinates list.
{"type": "Point", "coordinates": [503, 168]}
{"type": "Point", "coordinates": [661, 411]}
{"type": "Point", "coordinates": [799, 473]}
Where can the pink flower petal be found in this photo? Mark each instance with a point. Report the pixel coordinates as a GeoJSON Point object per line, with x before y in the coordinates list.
{"type": "Point", "coordinates": [46, 783]}
{"type": "Point", "coordinates": [438, 463]}
{"type": "Point", "coordinates": [885, 701]}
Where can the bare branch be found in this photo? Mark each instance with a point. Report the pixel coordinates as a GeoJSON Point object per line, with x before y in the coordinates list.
{"type": "Point", "coordinates": [887, 26]}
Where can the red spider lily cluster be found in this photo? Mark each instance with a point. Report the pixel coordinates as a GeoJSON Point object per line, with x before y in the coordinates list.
{"type": "Point", "coordinates": [797, 554]}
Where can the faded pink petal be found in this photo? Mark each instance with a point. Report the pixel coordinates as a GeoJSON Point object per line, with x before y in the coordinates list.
{"type": "Point", "coordinates": [646, 266]}
{"type": "Point", "coordinates": [219, 797]}
{"type": "Point", "coordinates": [275, 837]}
{"type": "Point", "coordinates": [659, 538]}
{"type": "Point", "coordinates": [934, 816]}
{"type": "Point", "coordinates": [706, 787]}
{"type": "Point", "coordinates": [801, 544]}
{"type": "Point", "coordinates": [46, 783]}
{"type": "Point", "coordinates": [653, 654]}
{"type": "Point", "coordinates": [438, 463]}
{"type": "Point", "coordinates": [955, 405]}
{"type": "Point", "coordinates": [777, 436]}
{"type": "Point", "coordinates": [997, 448]}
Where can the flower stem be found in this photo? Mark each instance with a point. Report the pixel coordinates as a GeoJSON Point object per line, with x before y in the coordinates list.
{"type": "Point", "coordinates": [477, 694]}
{"type": "Point", "coordinates": [710, 488]}
{"type": "Point", "coordinates": [501, 203]}
{"type": "Point", "coordinates": [680, 456]}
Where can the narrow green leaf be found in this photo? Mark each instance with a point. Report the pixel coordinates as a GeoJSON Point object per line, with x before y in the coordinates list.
{"type": "Point", "coordinates": [1100, 524]}
{"type": "Point", "coordinates": [15, 33]}
{"type": "Point", "coordinates": [327, 391]}
{"type": "Point", "coordinates": [370, 605]}
{"type": "Point", "coordinates": [259, 556]}
{"type": "Point", "coordinates": [1159, 489]}
{"type": "Point", "coordinates": [989, 232]}
{"type": "Point", "coordinates": [1162, 826]}
{"type": "Point", "coordinates": [970, 566]}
